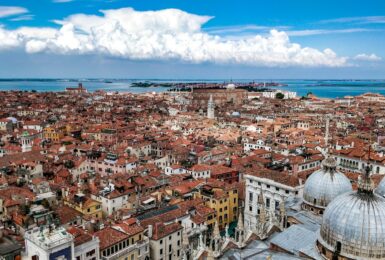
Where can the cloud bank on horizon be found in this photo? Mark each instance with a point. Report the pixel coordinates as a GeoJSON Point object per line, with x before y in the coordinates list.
{"type": "Point", "coordinates": [169, 34]}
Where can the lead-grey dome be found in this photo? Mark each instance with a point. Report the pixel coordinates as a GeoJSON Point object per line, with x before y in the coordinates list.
{"type": "Point", "coordinates": [380, 190]}
{"type": "Point", "coordinates": [325, 184]}
{"type": "Point", "coordinates": [354, 225]}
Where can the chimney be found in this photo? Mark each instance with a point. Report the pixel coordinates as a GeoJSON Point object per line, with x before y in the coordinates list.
{"type": "Point", "coordinates": [89, 226]}
{"type": "Point", "coordinates": [149, 233]}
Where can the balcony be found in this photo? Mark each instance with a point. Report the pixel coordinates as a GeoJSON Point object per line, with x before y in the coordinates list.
{"type": "Point", "coordinates": [125, 251]}
{"type": "Point", "coordinates": [120, 253]}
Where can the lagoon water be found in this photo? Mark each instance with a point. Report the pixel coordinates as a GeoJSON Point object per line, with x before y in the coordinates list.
{"type": "Point", "coordinates": [320, 88]}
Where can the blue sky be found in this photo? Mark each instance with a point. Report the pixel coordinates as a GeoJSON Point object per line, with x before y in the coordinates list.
{"type": "Point", "coordinates": [192, 39]}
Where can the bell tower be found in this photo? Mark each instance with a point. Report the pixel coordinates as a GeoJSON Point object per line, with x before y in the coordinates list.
{"type": "Point", "coordinates": [211, 108]}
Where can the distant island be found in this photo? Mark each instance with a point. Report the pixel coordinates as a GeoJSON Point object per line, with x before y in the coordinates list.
{"type": "Point", "coordinates": [177, 86]}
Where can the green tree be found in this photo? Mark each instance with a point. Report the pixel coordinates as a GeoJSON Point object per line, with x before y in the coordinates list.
{"type": "Point", "coordinates": [69, 164]}
{"type": "Point", "coordinates": [279, 95]}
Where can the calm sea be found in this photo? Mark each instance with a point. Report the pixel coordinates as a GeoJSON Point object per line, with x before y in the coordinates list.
{"type": "Point", "coordinates": [321, 88]}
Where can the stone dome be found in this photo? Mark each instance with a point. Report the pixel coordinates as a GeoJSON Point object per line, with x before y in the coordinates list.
{"type": "Point", "coordinates": [230, 86]}
{"type": "Point", "coordinates": [325, 184]}
{"type": "Point", "coordinates": [353, 227]}
{"type": "Point", "coordinates": [380, 190]}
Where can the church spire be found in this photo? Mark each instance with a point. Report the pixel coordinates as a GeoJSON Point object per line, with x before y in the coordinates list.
{"type": "Point", "coordinates": [327, 131]}
{"type": "Point", "coordinates": [210, 108]}
{"type": "Point", "coordinates": [240, 221]}
{"type": "Point", "coordinates": [327, 137]}
{"type": "Point", "coordinates": [216, 232]}
{"type": "Point", "coordinates": [239, 230]}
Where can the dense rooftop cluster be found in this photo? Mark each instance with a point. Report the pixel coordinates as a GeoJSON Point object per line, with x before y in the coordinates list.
{"type": "Point", "coordinates": [149, 176]}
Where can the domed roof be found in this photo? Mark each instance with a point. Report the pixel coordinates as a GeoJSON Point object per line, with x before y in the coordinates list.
{"type": "Point", "coordinates": [230, 86]}
{"type": "Point", "coordinates": [355, 223]}
{"type": "Point", "coordinates": [325, 184]}
{"type": "Point", "coordinates": [380, 190]}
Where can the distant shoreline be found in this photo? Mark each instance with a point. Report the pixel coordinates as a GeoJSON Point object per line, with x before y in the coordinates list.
{"type": "Point", "coordinates": [107, 80]}
{"type": "Point", "coordinates": [320, 88]}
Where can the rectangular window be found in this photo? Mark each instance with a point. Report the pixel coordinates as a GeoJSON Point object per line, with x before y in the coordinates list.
{"type": "Point", "coordinates": [90, 253]}
{"type": "Point", "coordinates": [250, 196]}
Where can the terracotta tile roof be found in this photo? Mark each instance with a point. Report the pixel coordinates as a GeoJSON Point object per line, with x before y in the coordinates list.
{"type": "Point", "coordinates": [281, 177]}
{"type": "Point", "coordinates": [67, 214]}
{"type": "Point", "coordinates": [23, 192]}
{"type": "Point", "coordinates": [21, 158]}
{"type": "Point", "coordinates": [110, 236]}
{"type": "Point", "coordinates": [129, 229]}
{"type": "Point", "coordinates": [200, 168]}
{"type": "Point", "coordinates": [161, 230]}
{"type": "Point", "coordinates": [80, 236]}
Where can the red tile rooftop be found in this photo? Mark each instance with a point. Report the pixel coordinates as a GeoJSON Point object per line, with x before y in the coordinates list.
{"type": "Point", "coordinates": [161, 230]}
{"type": "Point", "coordinates": [109, 236]}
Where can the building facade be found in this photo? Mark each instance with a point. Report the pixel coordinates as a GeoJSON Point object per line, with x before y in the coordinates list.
{"type": "Point", "coordinates": [223, 96]}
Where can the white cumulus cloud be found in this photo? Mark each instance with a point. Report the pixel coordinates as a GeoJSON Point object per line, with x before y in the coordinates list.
{"type": "Point", "coordinates": [11, 10]}
{"type": "Point", "coordinates": [169, 34]}
{"type": "Point", "coordinates": [367, 57]}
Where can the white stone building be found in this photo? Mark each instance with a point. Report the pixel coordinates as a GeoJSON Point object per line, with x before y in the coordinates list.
{"type": "Point", "coordinates": [165, 241]}
{"type": "Point", "coordinates": [112, 200]}
{"type": "Point", "coordinates": [258, 144]}
{"type": "Point", "coordinates": [200, 171]}
{"type": "Point", "coordinates": [43, 243]}
{"type": "Point", "coordinates": [174, 169]}
{"type": "Point", "coordinates": [272, 94]}
{"type": "Point", "coordinates": [274, 190]}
